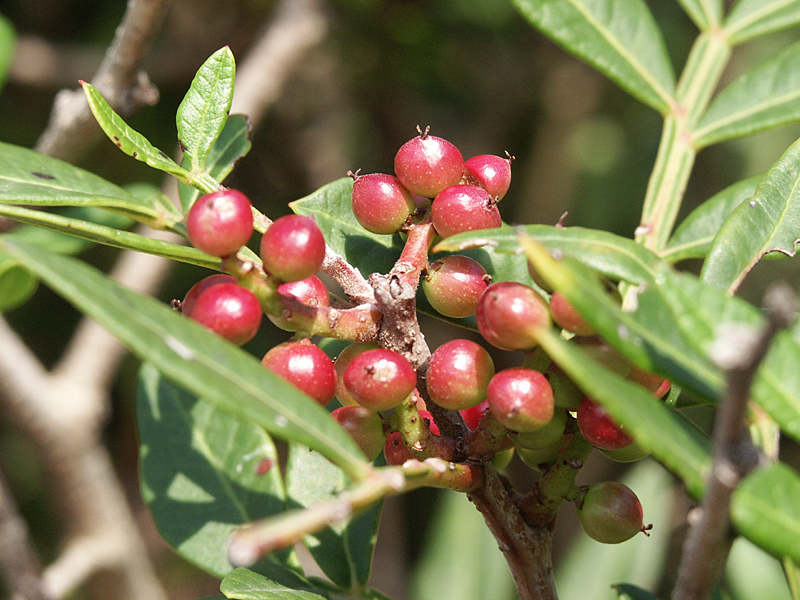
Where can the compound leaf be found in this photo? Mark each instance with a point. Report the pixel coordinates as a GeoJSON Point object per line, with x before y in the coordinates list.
{"type": "Point", "coordinates": [617, 37]}
{"type": "Point", "coordinates": [767, 96]}
{"type": "Point", "coordinates": [204, 110]}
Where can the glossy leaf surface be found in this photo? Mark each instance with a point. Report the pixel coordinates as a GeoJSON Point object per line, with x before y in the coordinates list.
{"type": "Point", "coordinates": [344, 551]}
{"type": "Point", "coordinates": [193, 357]}
{"type": "Point", "coordinates": [693, 237]}
{"type": "Point", "coordinates": [617, 37]}
{"type": "Point", "coordinates": [750, 19]}
{"type": "Point", "coordinates": [770, 222]}
{"type": "Point", "coordinates": [704, 13]}
{"type": "Point", "coordinates": [204, 110]}
{"type": "Point", "coordinates": [204, 472]}
{"type": "Point", "coordinates": [767, 96]}
{"type": "Point", "coordinates": [243, 584]}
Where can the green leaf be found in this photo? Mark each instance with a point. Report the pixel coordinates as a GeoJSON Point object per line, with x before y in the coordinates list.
{"type": "Point", "coordinates": [231, 145]}
{"type": "Point", "coordinates": [705, 13]}
{"type": "Point", "coordinates": [767, 96]}
{"type": "Point", "coordinates": [109, 236]}
{"type": "Point", "coordinates": [243, 584]}
{"type": "Point", "coordinates": [8, 40]}
{"type": "Point", "coordinates": [671, 328]}
{"type": "Point", "coordinates": [626, 591]}
{"type": "Point", "coordinates": [765, 510]}
{"type": "Point", "coordinates": [589, 569]}
{"type": "Point", "coordinates": [617, 37]}
{"type": "Point", "coordinates": [194, 358]}
{"type": "Point", "coordinates": [614, 256]}
{"type": "Point", "coordinates": [134, 144]}
{"type": "Point", "coordinates": [33, 179]}
{"type": "Point", "coordinates": [331, 206]}
{"type": "Point", "coordinates": [448, 556]}
{"type": "Point", "coordinates": [749, 19]}
{"type": "Point", "coordinates": [203, 471]}
{"type": "Point", "coordinates": [204, 110]}
{"type": "Point", "coordinates": [770, 222]}
{"type": "Point", "coordinates": [17, 284]}
{"type": "Point", "coordinates": [343, 551]}
{"type": "Point", "coordinates": [752, 574]}
{"type": "Point", "coordinates": [693, 237]}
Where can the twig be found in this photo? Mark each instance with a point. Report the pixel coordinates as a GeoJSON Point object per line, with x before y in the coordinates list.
{"type": "Point", "coordinates": [708, 541]}
{"type": "Point", "coordinates": [72, 128]}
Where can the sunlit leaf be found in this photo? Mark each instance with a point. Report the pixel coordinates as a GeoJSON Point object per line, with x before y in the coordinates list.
{"type": "Point", "coordinates": [770, 222]}
{"type": "Point", "coordinates": [749, 19]}
{"type": "Point", "coordinates": [243, 584]}
{"type": "Point", "coordinates": [767, 96]}
{"type": "Point", "coordinates": [693, 237]}
{"type": "Point", "coordinates": [617, 37]}
{"type": "Point", "coordinates": [204, 109]}
{"type": "Point", "coordinates": [193, 357]}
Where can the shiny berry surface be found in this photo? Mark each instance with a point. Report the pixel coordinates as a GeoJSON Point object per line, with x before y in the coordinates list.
{"type": "Point", "coordinates": [454, 284]}
{"type": "Point", "coordinates": [509, 314]}
{"type": "Point", "coordinates": [599, 429]}
{"type": "Point", "coordinates": [292, 248]}
{"type": "Point", "coordinates": [305, 366]}
{"type": "Point", "coordinates": [567, 317]}
{"type": "Point", "coordinates": [610, 512]}
{"type": "Point", "coordinates": [427, 164]}
{"type": "Point", "coordinates": [364, 426]}
{"type": "Point", "coordinates": [381, 204]}
{"type": "Point", "coordinates": [187, 304]}
{"type": "Point", "coordinates": [395, 451]}
{"type": "Point", "coordinates": [228, 310]}
{"type": "Point", "coordinates": [521, 399]}
{"type": "Point", "coordinates": [379, 379]}
{"type": "Point", "coordinates": [458, 374]}
{"type": "Point", "coordinates": [220, 223]}
{"type": "Point", "coordinates": [310, 291]}
{"type": "Point", "coordinates": [341, 363]}
{"type": "Point", "coordinates": [492, 173]}
{"type": "Point", "coordinates": [461, 208]}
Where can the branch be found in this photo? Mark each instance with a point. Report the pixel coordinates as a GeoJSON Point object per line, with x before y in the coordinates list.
{"type": "Point", "coordinates": [708, 541]}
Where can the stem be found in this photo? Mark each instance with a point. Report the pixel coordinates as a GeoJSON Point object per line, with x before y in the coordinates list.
{"type": "Point", "coordinates": [417, 435]}
{"type": "Point", "coordinates": [676, 153]}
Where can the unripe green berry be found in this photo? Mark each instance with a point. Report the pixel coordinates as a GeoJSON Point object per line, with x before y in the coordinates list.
{"type": "Point", "coordinates": [609, 512]}
{"type": "Point", "coordinates": [545, 436]}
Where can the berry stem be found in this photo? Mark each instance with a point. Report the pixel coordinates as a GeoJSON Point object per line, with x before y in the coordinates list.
{"type": "Point", "coordinates": [414, 257]}
{"type": "Point", "coordinates": [416, 433]}
{"type": "Point", "coordinates": [483, 443]}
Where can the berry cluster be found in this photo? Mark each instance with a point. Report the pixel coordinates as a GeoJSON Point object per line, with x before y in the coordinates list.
{"type": "Point", "coordinates": [391, 398]}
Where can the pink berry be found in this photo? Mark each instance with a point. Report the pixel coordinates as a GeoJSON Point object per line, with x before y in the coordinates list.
{"type": "Point", "coordinates": [292, 248]}
{"type": "Point", "coordinates": [472, 416]}
{"type": "Point", "coordinates": [364, 426]}
{"type": "Point", "coordinates": [567, 317]}
{"type": "Point", "coordinates": [395, 450]}
{"type": "Point", "coordinates": [454, 284]}
{"type": "Point", "coordinates": [492, 173]}
{"type": "Point", "coordinates": [305, 366]}
{"type": "Point", "coordinates": [458, 374]}
{"type": "Point", "coordinates": [509, 314]}
{"type": "Point", "coordinates": [310, 291]}
{"type": "Point", "coordinates": [220, 223]}
{"type": "Point", "coordinates": [187, 305]}
{"type": "Point", "coordinates": [427, 164]}
{"type": "Point", "coordinates": [341, 363]}
{"type": "Point", "coordinates": [650, 381]}
{"type": "Point", "coordinates": [521, 399]}
{"type": "Point", "coordinates": [379, 379]}
{"type": "Point", "coordinates": [599, 429]}
{"type": "Point", "coordinates": [461, 208]}
{"type": "Point", "coordinates": [426, 416]}
{"type": "Point", "coordinates": [228, 310]}
{"type": "Point", "coordinates": [380, 203]}
{"type": "Point", "coordinates": [609, 512]}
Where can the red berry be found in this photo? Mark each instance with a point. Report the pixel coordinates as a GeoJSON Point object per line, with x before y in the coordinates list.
{"type": "Point", "coordinates": [304, 365]}
{"type": "Point", "coordinates": [650, 381]}
{"type": "Point", "coordinates": [365, 427]}
{"type": "Point", "coordinates": [426, 415]}
{"type": "Point", "coordinates": [609, 512]}
{"type": "Point", "coordinates": [598, 428]}
{"type": "Point", "coordinates": [310, 291]}
{"type": "Point", "coordinates": [428, 164]}
{"type": "Point", "coordinates": [492, 173]}
{"type": "Point", "coordinates": [567, 317]}
{"type": "Point", "coordinates": [461, 208]}
{"type": "Point", "coordinates": [341, 363]}
{"type": "Point", "coordinates": [509, 314]}
{"type": "Point", "coordinates": [187, 305]}
{"type": "Point", "coordinates": [292, 248]}
{"type": "Point", "coordinates": [220, 223]}
{"type": "Point", "coordinates": [472, 416]}
{"type": "Point", "coordinates": [458, 374]}
{"type": "Point", "coordinates": [379, 379]}
{"type": "Point", "coordinates": [521, 399]}
{"type": "Point", "coordinates": [380, 203]}
{"type": "Point", "coordinates": [454, 284]}
{"type": "Point", "coordinates": [395, 450]}
{"type": "Point", "coordinates": [228, 310]}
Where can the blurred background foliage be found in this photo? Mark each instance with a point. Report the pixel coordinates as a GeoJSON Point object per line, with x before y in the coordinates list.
{"type": "Point", "coordinates": [471, 69]}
